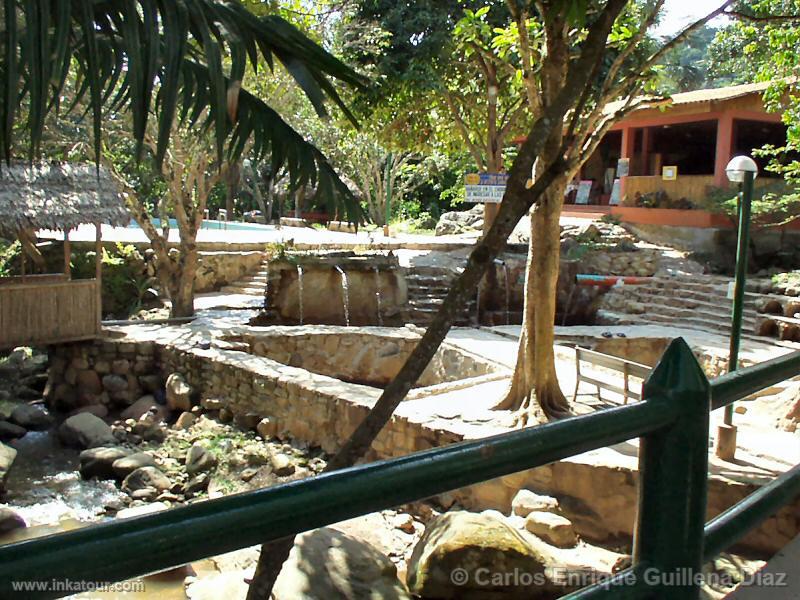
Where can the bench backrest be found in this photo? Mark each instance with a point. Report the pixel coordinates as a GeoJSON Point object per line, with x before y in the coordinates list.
{"type": "Point", "coordinates": [612, 362]}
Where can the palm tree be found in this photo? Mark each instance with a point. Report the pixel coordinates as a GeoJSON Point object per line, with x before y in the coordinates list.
{"type": "Point", "coordinates": [167, 60]}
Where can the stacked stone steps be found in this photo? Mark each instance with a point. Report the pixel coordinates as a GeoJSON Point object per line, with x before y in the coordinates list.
{"type": "Point", "coordinates": [698, 302]}
{"type": "Point", "coordinates": [693, 309]}
{"type": "Point", "coordinates": [253, 284]}
{"type": "Point", "coordinates": [427, 288]}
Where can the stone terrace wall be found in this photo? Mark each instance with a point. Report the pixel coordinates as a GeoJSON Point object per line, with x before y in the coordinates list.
{"type": "Point", "coordinates": [372, 359]}
{"type": "Point", "coordinates": [217, 269]}
{"type": "Point", "coordinates": [597, 490]}
{"type": "Point", "coordinates": [642, 262]}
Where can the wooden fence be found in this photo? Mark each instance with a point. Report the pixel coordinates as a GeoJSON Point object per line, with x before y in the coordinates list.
{"type": "Point", "coordinates": [47, 312]}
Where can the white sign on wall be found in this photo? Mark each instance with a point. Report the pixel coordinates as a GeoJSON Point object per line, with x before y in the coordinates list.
{"type": "Point", "coordinates": [485, 187]}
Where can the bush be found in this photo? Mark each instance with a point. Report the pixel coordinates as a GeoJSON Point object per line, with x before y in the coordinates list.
{"type": "Point", "coordinates": [125, 281]}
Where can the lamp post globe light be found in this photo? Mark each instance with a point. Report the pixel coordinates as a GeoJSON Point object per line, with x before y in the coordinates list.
{"type": "Point", "coordinates": [739, 166]}
{"type": "Point", "coordinates": [742, 170]}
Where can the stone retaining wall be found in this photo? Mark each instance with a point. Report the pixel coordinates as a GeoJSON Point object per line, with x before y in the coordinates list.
{"type": "Point", "coordinates": [597, 489]}
{"type": "Point", "coordinates": [641, 262]}
{"type": "Point", "coordinates": [217, 269]}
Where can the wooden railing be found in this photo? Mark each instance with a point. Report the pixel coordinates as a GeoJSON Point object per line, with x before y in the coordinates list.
{"type": "Point", "coordinates": [41, 312]}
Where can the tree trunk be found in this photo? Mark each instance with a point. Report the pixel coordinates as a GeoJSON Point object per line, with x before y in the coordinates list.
{"type": "Point", "coordinates": [182, 280]}
{"type": "Point", "coordinates": [535, 372]}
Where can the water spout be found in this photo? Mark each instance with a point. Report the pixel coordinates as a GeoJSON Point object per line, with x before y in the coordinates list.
{"type": "Point", "coordinates": [345, 296]}
{"type": "Point", "coordinates": [378, 295]}
{"type": "Point", "coordinates": [300, 291]}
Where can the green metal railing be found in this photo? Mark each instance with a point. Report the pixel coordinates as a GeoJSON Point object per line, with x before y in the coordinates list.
{"type": "Point", "coordinates": [670, 533]}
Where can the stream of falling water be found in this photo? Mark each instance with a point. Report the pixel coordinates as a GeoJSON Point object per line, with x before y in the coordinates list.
{"type": "Point", "coordinates": [345, 296]}
{"type": "Point", "coordinates": [378, 295]}
{"type": "Point", "coordinates": [300, 291]}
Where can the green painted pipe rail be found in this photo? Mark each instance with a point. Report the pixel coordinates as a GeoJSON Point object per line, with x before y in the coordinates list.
{"type": "Point", "coordinates": [727, 528]}
{"type": "Point", "coordinates": [141, 545]}
{"type": "Point", "coordinates": [740, 384]}
{"type": "Point", "coordinates": [672, 423]}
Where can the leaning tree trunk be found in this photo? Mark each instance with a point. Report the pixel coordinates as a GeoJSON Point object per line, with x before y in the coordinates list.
{"type": "Point", "coordinates": [516, 202]}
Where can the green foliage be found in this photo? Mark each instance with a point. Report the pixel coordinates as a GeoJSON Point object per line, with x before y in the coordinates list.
{"type": "Point", "coordinates": [687, 67]}
{"type": "Point", "coordinates": [768, 49]}
{"type": "Point", "coordinates": [10, 258]}
{"type": "Point", "coordinates": [791, 278]}
{"type": "Point", "coordinates": [773, 204]}
{"type": "Point", "coordinates": [125, 281]}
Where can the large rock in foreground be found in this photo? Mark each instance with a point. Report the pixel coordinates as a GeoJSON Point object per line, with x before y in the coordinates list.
{"type": "Point", "coordinates": [85, 430]}
{"type": "Point", "coordinates": [325, 564]}
{"type": "Point", "coordinates": [7, 456]}
{"type": "Point", "coordinates": [466, 555]}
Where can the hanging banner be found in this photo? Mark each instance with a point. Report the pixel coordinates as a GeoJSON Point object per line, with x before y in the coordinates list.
{"type": "Point", "coordinates": [485, 187]}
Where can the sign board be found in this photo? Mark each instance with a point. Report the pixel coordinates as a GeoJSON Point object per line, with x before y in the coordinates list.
{"type": "Point", "coordinates": [615, 194]}
{"type": "Point", "coordinates": [584, 190]}
{"type": "Point", "coordinates": [623, 167]}
{"type": "Point", "coordinates": [485, 187]}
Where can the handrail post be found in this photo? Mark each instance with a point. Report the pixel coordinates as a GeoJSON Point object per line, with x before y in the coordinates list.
{"type": "Point", "coordinates": [673, 472]}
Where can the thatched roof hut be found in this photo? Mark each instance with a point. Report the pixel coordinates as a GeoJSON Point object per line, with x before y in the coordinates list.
{"type": "Point", "coordinates": [57, 196]}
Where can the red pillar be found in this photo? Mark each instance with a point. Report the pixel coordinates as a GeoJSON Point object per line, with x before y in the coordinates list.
{"type": "Point", "coordinates": [626, 151]}
{"type": "Point", "coordinates": [724, 149]}
{"type": "Point", "coordinates": [646, 151]}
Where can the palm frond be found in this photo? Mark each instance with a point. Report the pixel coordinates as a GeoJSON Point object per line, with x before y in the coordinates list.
{"type": "Point", "coordinates": [163, 59]}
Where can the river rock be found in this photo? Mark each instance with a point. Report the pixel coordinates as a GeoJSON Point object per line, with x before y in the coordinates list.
{"type": "Point", "coordinates": [526, 501]}
{"type": "Point", "coordinates": [185, 420]}
{"type": "Point", "coordinates": [197, 484]}
{"type": "Point", "coordinates": [98, 462]}
{"type": "Point", "coordinates": [98, 410]}
{"type": "Point", "coordinates": [179, 393]}
{"type": "Point", "coordinates": [141, 407]}
{"type": "Point", "coordinates": [7, 456]}
{"type": "Point", "coordinates": [31, 416]}
{"type": "Point", "coordinates": [86, 431]}
{"type": "Point", "coordinates": [468, 543]}
{"type": "Point", "coordinates": [327, 563]}
{"type": "Point", "coordinates": [126, 465]}
{"type": "Point", "coordinates": [9, 520]}
{"type": "Point", "coordinates": [281, 464]}
{"type": "Point", "coordinates": [11, 431]}
{"type": "Point", "coordinates": [199, 459]}
{"type": "Point", "coordinates": [145, 494]}
{"type": "Point", "coordinates": [552, 528]}
{"type": "Point", "coordinates": [146, 477]}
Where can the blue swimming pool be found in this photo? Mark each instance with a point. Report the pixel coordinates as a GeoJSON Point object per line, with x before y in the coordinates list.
{"type": "Point", "coordinates": [210, 224]}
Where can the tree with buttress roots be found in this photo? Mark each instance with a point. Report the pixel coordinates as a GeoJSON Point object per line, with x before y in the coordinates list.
{"type": "Point", "coordinates": [547, 41]}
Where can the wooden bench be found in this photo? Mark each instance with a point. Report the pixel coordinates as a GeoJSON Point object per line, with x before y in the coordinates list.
{"type": "Point", "coordinates": [628, 368]}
